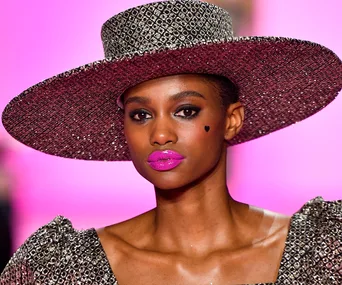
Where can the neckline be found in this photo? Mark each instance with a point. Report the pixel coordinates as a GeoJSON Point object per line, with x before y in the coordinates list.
{"type": "Point", "coordinates": [281, 265]}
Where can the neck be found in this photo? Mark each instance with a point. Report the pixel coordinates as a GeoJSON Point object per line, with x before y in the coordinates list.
{"type": "Point", "coordinates": [197, 218]}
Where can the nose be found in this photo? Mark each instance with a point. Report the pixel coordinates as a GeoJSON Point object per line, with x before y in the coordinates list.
{"type": "Point", "coordinates": [163, 132]}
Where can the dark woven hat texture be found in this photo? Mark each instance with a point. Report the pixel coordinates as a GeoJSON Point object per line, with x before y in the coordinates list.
{"type": "Point", "coordinates": [75, 114]}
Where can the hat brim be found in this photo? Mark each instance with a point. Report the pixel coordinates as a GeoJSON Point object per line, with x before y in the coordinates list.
{"type": "Point", "coordinates": [74, 114]}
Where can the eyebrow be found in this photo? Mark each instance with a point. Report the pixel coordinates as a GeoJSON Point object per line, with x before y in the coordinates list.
{"type": "Point", "coordinates": [175, 97]}
{"type": "Point", "coordinates": [185, 94]}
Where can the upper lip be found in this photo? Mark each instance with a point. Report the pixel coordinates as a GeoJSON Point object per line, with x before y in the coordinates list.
{"type": "Point", "coordinates": [164, 155]}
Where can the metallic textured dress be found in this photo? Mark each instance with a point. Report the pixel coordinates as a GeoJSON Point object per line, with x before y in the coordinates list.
{"type": "Point", "coordinates": [59, 254]}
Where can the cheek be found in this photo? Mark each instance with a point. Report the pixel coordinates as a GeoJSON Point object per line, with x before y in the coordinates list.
{"type": "Point", "coordinates": [136, 144]}
{"type": "Point", "coordinates": [199, 135]}
{"type": "Point", "coordinates": [135, 138]}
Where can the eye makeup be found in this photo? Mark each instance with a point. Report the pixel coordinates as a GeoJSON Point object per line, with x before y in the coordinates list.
{"type": "Point", "coordinates": [139, 115]}
{"type": "Point", "coordinates": [187, 111]}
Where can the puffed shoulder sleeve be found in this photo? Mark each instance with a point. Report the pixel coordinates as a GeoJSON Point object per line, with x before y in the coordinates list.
{"type": "Point", "coordinates": [42, 248]}
{"type": "Point", "coordinates": [323, 238]}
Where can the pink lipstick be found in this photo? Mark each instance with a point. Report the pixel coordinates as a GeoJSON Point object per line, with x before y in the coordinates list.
{"type": "Point", "coordinates": [164, 160]}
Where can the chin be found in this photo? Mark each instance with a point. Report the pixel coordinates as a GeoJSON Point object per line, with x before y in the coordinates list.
{"type": "Point", "coordinates": [170, 179]}
{"type": "Point", "coordinates": [167, 180]}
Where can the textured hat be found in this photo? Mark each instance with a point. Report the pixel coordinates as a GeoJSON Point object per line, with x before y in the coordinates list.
{"type": "Point", "coordinates": [75, 114]}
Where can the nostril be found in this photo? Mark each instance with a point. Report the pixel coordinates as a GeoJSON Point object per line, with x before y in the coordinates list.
{"type": "Point", "coordinates": [163, 138]}
{"type": "Point", "coordinates": [162, 143]}
{"type": "Point", "coordinates": [162, 131]}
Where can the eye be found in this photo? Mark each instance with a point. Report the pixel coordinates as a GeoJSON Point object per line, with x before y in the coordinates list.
{"type": "Point", "coordinates": [187, 112]}
{"type": "Point", "coordinates": [139, 115]}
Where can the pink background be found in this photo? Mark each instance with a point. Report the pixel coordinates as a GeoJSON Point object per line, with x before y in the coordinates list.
{"type": "Point", "coordinates": [279, 172]}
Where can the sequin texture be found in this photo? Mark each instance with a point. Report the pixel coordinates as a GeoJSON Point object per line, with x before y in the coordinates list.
{"type": "Point", "coordinates": [59, 254]}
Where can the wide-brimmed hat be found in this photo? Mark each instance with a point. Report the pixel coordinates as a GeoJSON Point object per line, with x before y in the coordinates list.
{"type": "Point", "coordinates": [75, 114]}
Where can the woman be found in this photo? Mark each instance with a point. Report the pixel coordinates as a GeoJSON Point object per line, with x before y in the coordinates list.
{"type": "Point", "coordinates": [172, 94]}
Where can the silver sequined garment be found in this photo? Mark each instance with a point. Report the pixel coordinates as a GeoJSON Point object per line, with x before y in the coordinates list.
{"type": "Point", "coordinates": [59, 254]}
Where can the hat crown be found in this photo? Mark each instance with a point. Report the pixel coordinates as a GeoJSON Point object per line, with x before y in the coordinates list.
{"type": "Point", "coordinates": [165, 25]}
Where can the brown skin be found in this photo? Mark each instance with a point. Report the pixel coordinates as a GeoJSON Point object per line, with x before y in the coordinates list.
{"type": "Point", "coordinates": [197, 234]}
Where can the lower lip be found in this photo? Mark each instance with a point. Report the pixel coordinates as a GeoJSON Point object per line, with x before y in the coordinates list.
{"type": "Point", "coordinates": [164, 165]}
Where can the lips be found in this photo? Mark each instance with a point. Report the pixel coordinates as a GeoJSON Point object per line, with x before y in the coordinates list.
{"type": "Point", "coordinates": [164, 160]}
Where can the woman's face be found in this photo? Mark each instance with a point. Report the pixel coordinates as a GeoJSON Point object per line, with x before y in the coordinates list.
{"type": "Point", "coordinates": [176, 129]}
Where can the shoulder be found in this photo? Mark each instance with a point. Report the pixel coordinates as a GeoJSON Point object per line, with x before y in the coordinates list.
{"type": "Point", "coordinates": [54, 251]}
{"type": "Point", "coordinates": [48, 241]}
{"type": "Point", "coordinates": [323, 216]}
{"type": "Point", "coordinates": [320, 222]}
{"type": "Point", "coordinates": [52, 236]}
{"type": "Point", "coordinates": [315, 239]}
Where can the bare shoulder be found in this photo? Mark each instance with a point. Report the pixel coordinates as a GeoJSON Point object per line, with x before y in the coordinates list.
{"type": "Point", "coordinates": [279, 221]}
{"type": "Point", "coordinates": [264, 225]}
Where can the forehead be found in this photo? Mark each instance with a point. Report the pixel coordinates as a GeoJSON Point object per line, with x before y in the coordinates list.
{"type": "Point", "coordinates": [170, 85]}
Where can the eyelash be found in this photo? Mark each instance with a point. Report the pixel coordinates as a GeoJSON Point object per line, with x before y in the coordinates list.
{"type": "Point", "coordinates": [194, 113]}
{"type": "Point", "coordinates": [134, 113]}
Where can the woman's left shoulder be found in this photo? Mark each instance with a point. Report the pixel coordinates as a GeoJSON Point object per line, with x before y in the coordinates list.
{"type": "Point", "coordinates": [315, 241]}
{"type": "Point", "coordinates": [319, 218]}
{"type": "Point", "coordinates": [322, 212]}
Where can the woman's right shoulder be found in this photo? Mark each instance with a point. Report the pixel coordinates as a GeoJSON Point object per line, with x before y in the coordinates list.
{"type": "Point", "coordinates": [48, 251]}
{"type": "Point", "coordinates": [47, 240]}
{"type": "Point", "coordinates": [50, 237]}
